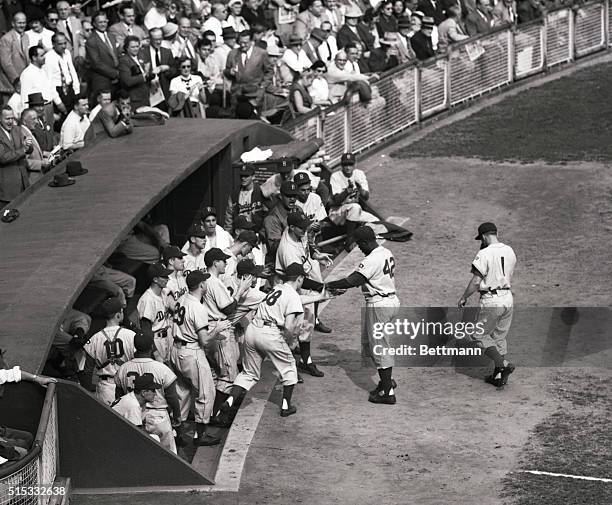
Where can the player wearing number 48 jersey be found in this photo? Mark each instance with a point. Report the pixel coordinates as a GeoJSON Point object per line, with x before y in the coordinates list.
{"type": "Point", "coordinates": [492, 271]}
{"type": "Point", "coordinates": [375, 275]}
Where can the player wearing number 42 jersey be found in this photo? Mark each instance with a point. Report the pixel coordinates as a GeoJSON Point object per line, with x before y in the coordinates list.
{"type": "Point", "coordinates": [492, 271]}
{"type": "Point", "coordinates": [375, 275]}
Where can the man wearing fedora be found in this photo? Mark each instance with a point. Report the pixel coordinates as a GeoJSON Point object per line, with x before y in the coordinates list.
{"type": "Point", "coordinates": [421, 41]}
{"type": "Point", "coordinates": [352, 30]}
{"type": "Point", "coordinates": [13, 150]}
{"type": "Point", "coordinates": [385, 57]}
{"type": "Point", "coordinates": [404, 49]}
{"type": "Point", "coordinates": [295, 57]}
{"type": "Point", "coordinates": [43, 131]}
{"type": "Point", "coordinates": [163, 65]}
{"type": "Point", "coordinates": [38, 160]}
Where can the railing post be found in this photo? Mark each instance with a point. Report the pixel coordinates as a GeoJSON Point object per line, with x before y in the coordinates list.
{"type": "Point", "coordinates": [417, 93]}
{"type": "Point", "coordinates": [348, 131]}
{"type": "Point", "coordinates": [320, 124]}
{"type": "Point", "coordinates": [447, 79]}
{"type": "Point", "coordinates": [606, 23]}
{"type": "Point", "coordinates": [545, 42]}
{"type": "Point", "coordinates": [511, 54]}
{"type": "Point", "coordinates": [572, 33]}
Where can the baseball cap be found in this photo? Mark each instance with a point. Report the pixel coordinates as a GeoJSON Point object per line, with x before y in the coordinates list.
{"type": "Point", "coordinates": [248, 236]}
{"type": "Point", "coordinates": [485, 228]}
{"type": "Point", "coordinates": [364, 233]}
{"type": "Point", "coordinates": [143, 342]}
{"type": "Point", "coordinates": [248, 266]}
{"type": "Point", "coordinates": [347, 159]}
{"type": "Point", "coordinates": [207, 211]}
{"type": "Point", "coordinates": [301, 178]}
{"type": "Point", "coordinates": [298, 219]}
{"type": "Point", "coordinates": [172, 251]}
{"type": "Point", "coordinates": [146, 382]}
{"type": "Point", "coordinates": [288, 188]}
{"type": "Point", "coordinates": [294, 270]}
{"type": "Point", "coordinates": [286, 164]}
{"type": "Point", "coordinates": [194, 278]}
{"type": "Point", "coordinates": [214, 254]}
{"type": "Point", "coordinates": [111, 306]}
{"type": "Point", "coordinates": [196, 230]}
{"type": "Point", "coordinates": [243, 223]}
{"type": "Point", "coordinates": [158, 270]}
{"type": "Point", "coordinates": [246, 170]}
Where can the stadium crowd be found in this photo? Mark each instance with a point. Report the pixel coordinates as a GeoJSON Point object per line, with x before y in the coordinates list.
{"type": "Point", "coordinates": [70, 75]}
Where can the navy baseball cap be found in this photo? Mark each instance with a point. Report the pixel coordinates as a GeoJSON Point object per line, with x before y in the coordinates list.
{"type": "Point", "coordinates": [146, 382]}
{"type": "Point", "coordinates": [347, 159]}
{"type": "Point", "coordinates": [196, 230]}
{"type": "Point", "coordinates": [214, 254]}
{"type": "Point", "coordinates": [248, 266]}
{"type": "Point", "coordinates": [364, 234]}
{"type": "Point", "coordinates": [289, 188]}
{"type": "Point", "coordinates": [207, 211]}
{"type": "Point", "coordinates": [485, 228]}
{"type": "Point", "coordinates": [194, 278]}
{"type": "Point", "coordinates": [298, 219]}
{"type": "Point", "coordinates": [301, 178]}
{"type": "Point", "coordinates": [111, 306]}
{"type": "Point", "coordinates": [294, 270]}
{"type": "Point", "coordinates": [142, 342]}
{"type": "Point", "coordinates": [242, 223]}
{"type": "Point", "coordinates": [158, 270]}
{"type": "Point", "coordinates": [286, 164]}
{"type": "Point", "coordinates": [246, 170]}
{"type": "Point", "coordinates": [248, 236]}
{"type": "Point", "coordinates": [172, 251]}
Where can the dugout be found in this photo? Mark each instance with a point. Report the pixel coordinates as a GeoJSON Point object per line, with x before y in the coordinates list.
{"type": "Point", "coordinates": [61, 238]}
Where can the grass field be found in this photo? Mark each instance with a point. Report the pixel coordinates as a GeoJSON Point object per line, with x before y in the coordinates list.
{"type": "Point", "coordinates": [567, 120]}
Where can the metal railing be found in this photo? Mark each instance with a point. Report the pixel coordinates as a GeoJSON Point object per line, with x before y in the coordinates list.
{"type": "Point", "coordinates": [22, 480]}
{"type": "Point", "coordinates": [470, 69]}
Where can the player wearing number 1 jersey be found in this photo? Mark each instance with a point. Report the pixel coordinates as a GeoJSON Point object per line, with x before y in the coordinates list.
{"type": "Point", "coordinates": [375, 275]}
{"type": "Point", "coordinates": [492, 271]}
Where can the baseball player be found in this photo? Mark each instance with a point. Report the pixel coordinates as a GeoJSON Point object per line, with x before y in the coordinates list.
{"type": "Point", "coordinates": [375, 275]}
{"type": "Point", "coordinates": [219, 305]}
{"type": "Point", "coordinates": [107, 350]}
{"type": "Point", "coordinates": [275, 222]}
{"type": "Point", "coordinates": [246, 201]}
{"type": "Point", "coordinates": [253, 296]}
{"type": "Point", "coordinates": [194, 249]}
{"type": "Point", "coordinates": [492, 271]}
{"type": "Point", "coordinates": [293, 249]}
{"type": "Point", "coordinates": [174, 259]}
{"type": "Point", "coordinates": [241, 248]}
{"type": "Point", "coordinates": [278, 317]}
{"type": "Point", "coordinates": [188, 356]}
{"type": "Point", "coordinates": [152, 311]}
{"type": "Point", "coordinates": [156, 416]}
{"type": "Point", "coordinates": [131, 405]}
{"type": "Point", "coordinates": [215, 235]}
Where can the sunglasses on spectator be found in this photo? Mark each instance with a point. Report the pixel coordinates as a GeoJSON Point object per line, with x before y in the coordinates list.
{"type": "Point", "coordinates": [341, 59]}
{"type": "Point", "coordinates": [53, 20]}
{"type": "Point", "coordinates": [185, 66]}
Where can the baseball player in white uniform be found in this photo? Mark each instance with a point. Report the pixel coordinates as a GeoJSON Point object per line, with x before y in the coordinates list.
{"type": "Point", "coordinates": [188, 356]}
{"type": "Point", "coordinates": [492, 271]}
{"type": "Point", "coordinates": [133, 404]}
{"type": "Point", "coordinates": [293, 248]}
{"type": "Point", "coordinates": [215, 235]}
{"type": "Point", "coordinates": [152, 311]}
{"type": "Point", "coordinates": [174, 259]}
{"type": "Point", "coordinates": [278, 317]}
{"type": "Point", "coordinates": [156, 418]}
{"type": "Point", "coordinates": [253, 296]}
{"type": "Point", "coordinates": [375, 275]}
{"type": "Point", "coordinates": [220, 304]}
{"type": "Point", "coordinates": [241, 248]}
{"type": "Point", "coordinates": [107, 350]}
{"type": "Point", "coordinates": [194, 249]}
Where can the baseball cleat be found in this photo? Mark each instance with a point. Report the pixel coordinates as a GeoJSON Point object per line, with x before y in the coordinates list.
{"type": "Point", "coordinates": [506, 371]}
{"type": "Point", "coordinates": [311, 369]}
{"type": "Point", "coordinates": [289, 411]}
{"type": "Point", "coordinates": [321, 328]}
{"type": "Point", "coordinates": [206, 440]}
{"type": "Point", "coordinates": [385, 399]}
{"type": "Point", "coordinates": [495, 378]}
{"type": "Point", "coordinates": [379, 387]}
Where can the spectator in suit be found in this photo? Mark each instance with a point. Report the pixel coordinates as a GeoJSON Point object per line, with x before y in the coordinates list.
{"type": "Point", "coordinates": [504, 13]}
{"type": "Point", "coordinates": [311, 44]}
{"type": "Point", "coordinates": [480, 19]}
{"type": "Point", "coordinates": [134, 73]}
{"type": "Point", "coordinates": [103, 98]}
{"type": "Point", "coordinates": [79, 53]}
{"type": "Point", "coordinates": [309, 19]}
{"type": "Point", "coordinates": [421, 42]}
{"type": "Point", "coordinates": [183, 45]}
{"type": "Point", "coordinates": [328, 45]}
{"type": "Point", "coordinates": [13, 150]}
{"type": "Point", "coordinates": [68, 24]}
{"type": "Point", "coordinates": [248, 65]}
{"type": "Point", "coordinates": [43, 132]}
{"type": "Point", "coordinates": [406, 31]}
{"type": "Point", "coordinates": [61, 72]}
{"type": "Point", "coordinates": [387, 22]}
{"type": "Point", "coordinates": [433, 9]}
{"type": "Point", "coordinates": [102, 58]}
{"type": "Point", "coordinates": [369, 26]}
{"type": "Point", "coordinates": [451, 29]}
{"type": "Point", "coordinates": [14, 50]}
{"type": "Point", "coordinates": [113, 120]}
{"type": "Point", "coordinates": [72, 136]}
{"type": "Point", "coordinates": [253, 12]}
{"type": "Point", "coordinates": [163, 66]}
{"type": "Point", "coordinates": [385, 57]}
{"type": "Point", "coordinates": [235, 19]}
{"type": "Point", "coordinates": [38, 160]}
{"type": "Point", "coordinates": [528, 10]}
{"type": "Point", "coordinates": [126, 26]}
{"type": "Point", "coordinates": [352, 31]}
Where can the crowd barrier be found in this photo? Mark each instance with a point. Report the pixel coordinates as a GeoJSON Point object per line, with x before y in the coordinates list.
{"type": "Point", "coordinates": [30, 480]}
{"type": "Point", "coordinates": [480, 65]}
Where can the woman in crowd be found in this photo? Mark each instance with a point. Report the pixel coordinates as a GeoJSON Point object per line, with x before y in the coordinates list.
{"type": "Point", "coordinates": [235, 19]}
{"type": "Point", "coordinates": [319, 89]}
{"type": "Point", "coordinates": [187, 92]}
{"type": "Point", "coordinates": [300, 97]}
{"type": "Point", "coordinates": [387, 22]}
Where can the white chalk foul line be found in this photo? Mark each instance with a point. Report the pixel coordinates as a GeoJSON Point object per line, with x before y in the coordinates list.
{"type": "Point", "coordinates": [567, 476]}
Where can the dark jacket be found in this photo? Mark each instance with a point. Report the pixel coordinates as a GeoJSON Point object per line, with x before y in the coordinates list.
{"type": "Point", "coordinates": [379, 61]}
{"type": "Point", "coordinates": [103, 68]}
{"type": "Point", "coordinates": [166, 58]}
{"type": "Point", "coordinates": [255, 210]}
{"type": "Point", "coordinates": [346, 36]}
{"type": "Point", "coordinates": [43, 133]}
{"type": "Point", "coordinates": [437, 12]}
{"type": "Point", "coordinates": [104, 126]}
{"type": "Point", "coordinates": [134, 81]}
{"type": "Point", "coordinates": [13, 167]}
{"type": "Point", "coordinates": [422, 46]}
